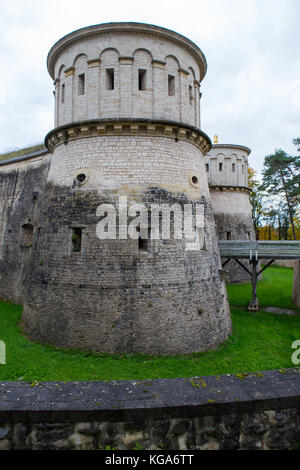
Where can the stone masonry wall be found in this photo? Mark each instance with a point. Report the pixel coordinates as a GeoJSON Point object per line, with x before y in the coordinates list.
{"type": "Point", "coordinates": [22, 188]}
{"type": "Point", "coordinates": [233, 219]}
{"type": "Point", "coordinates": [227, 172]}
{"type": "Point", "coordinates": [227, 165]}
{"type": "Point", "coordinates": [156, 301]}
{"type": "Point", "coordinates": [258, 411]}
{"type": "Point", "coordinates": [125, 53]}
{"type": "Point", "coordinates": [268, 430]}
{"type": "Point", "coordinates": [110, 297]}
{"type": "Point", "coordinates": [125, 162]}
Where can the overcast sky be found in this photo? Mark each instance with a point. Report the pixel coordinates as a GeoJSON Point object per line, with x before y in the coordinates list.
{"type": "Point", "coordinates": [251, 93]}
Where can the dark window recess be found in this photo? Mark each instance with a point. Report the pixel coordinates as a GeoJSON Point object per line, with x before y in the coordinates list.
{"type": "Point", "coordinates": [228, 235]}
{"type": "Point", "coordinates": [243, 169]}
{"type": "Point", "coordinates": [221, 166]}
{"type": "Point", "coordinates": [110, 79]}
{"type": "Point", "coordinates": [233, 168]}
{"type": "Point", "coordinates": [26, 235]}
{"type": "Point", "coordinates": [207, 167]}
{"type": "Point", "coordinates": [142, 79]}
{"type": "Point", "coordinates": [81, 84]}
{"type": "Point", "coordinates": [144, 244]}
{"type": "Point", "coordinates": [171, 85]}
{"type": "Point", "coordinates": [191, 94]}
{"type": "Point", "coordinates": [76, 239]}
{"type": "Point", "coordinates": [63, 93]}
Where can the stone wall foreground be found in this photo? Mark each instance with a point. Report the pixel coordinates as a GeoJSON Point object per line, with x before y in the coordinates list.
{"type": "Point", "coordinates": [251, 411]}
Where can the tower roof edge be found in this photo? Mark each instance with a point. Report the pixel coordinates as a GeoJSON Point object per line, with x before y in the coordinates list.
{"type": "Point", "coordinates": [130, 27]}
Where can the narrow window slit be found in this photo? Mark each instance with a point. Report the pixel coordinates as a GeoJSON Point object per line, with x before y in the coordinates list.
{"type": "Point", "coordinates": [110, 79]}
{"type": "Point", "coordinates": [81, 84]}
{"type": "Point", "coordinates": [145, 244]}
{"type": "Point", "coordinates": [142, 79]}
{"type": "Point", "coordinates": [171, 85]}
{"type": "Point", "coordinates": [76, 239]}
{"type": "Point", "coordinates": [191, 94]}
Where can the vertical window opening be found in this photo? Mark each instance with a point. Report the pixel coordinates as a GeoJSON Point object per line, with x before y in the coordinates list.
{"type": "Point", "coordinates": [110, 79]}
{"type": "Point", "coordinates": [76, 239]}
{"type": "Point", "coordinates": [207, 167]}
{"type": "Point", "coordinates": [171, 85]}
{"type": "Point", "coordinates": [191, 94]}
{"type": "Point", "coordinates": [228, 235]}
{"type": "Point", "coordinates": [26, 235]}
{"type": "Point", "coordinates": [220, 166]}
{"type": "Point", "coordinates": [233, 168]}
{"type": "Point", "coordinates": [144, 244]}
{"type": "Point", "coordinates": [81, 84]}
{"type": "Point", "coordinates": [63, 93]}
{"type": "Point", "coordinates": [142, 79]}
{"type": "Point", "coordinates": [243, 168]}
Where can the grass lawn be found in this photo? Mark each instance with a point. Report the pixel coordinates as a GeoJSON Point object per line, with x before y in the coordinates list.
{"type": "Point", "coordinates": [259, 342]}
{"type": "Point", "coordinates": [275, 290]}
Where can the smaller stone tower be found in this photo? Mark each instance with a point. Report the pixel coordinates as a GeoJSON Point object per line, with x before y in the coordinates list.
{"type": "Point", "coordinates": [227, 170]}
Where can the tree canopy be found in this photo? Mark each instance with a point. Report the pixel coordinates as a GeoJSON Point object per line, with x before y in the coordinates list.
{"type": "Point", "coordinates": [281, 178]}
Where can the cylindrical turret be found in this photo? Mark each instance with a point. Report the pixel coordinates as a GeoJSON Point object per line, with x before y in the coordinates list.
{"type": "Point", "coordinates": [127, 125]}
{"type": "Point", "coordinates": [126, 70]}
{"type": "Point", "coordinates": [227, 171]}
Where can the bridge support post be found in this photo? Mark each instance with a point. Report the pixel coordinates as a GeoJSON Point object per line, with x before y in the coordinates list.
{"type": "Point", "coordinates": [253, 305]}
{"type": "Point", "coordinates": [296, 288]}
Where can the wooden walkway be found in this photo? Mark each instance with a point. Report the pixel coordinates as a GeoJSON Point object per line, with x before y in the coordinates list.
{"type": "Point", "coordinates": [255, 251]}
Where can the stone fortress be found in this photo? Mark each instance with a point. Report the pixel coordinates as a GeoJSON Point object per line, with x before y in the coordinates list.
{"type": "Point", "coordinates": [127, 123]}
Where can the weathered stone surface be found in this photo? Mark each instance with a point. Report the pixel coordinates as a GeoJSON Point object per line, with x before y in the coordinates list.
{"type": "Point", "coordinates": [126, 49]}
{"type": "Point", "coordinates": [259, 412]}
{"type": "Point", "coordinates": [55, 281]}
{"type": "Point", "coordinates": [227, 167]}
{"type": "Point", "coordinates": [125, 138]}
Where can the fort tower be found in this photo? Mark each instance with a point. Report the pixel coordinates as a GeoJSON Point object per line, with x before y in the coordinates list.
{"type": "Point", "coordinates": [127, 123]}
{"type": "Point", "coordinates": [227, 171]}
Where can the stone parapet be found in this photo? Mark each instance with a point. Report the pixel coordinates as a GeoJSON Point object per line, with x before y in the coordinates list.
{"type": "Point", "coordinates": [228, 412]}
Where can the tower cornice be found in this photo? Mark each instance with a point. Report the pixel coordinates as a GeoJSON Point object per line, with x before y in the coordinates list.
{"type": "Point", "coordinates": [241, 189]}
{"type": "Point", "coordinates": [145, 127]}
{"type": "Point", "coordinates": [232, 146]}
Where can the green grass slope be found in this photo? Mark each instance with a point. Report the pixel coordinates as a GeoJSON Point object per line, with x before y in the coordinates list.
{"type": "Point", "coordinates": [259, 342]}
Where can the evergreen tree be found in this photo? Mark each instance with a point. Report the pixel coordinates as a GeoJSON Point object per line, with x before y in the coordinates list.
{"type": "Point", "coordinates": [281, 176]}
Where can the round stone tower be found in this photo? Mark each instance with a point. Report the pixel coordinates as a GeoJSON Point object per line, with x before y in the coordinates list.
{"type": "Point", "coordinates": [127, 125]}
{"type": "Point", "coordinates": [227, 171]}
